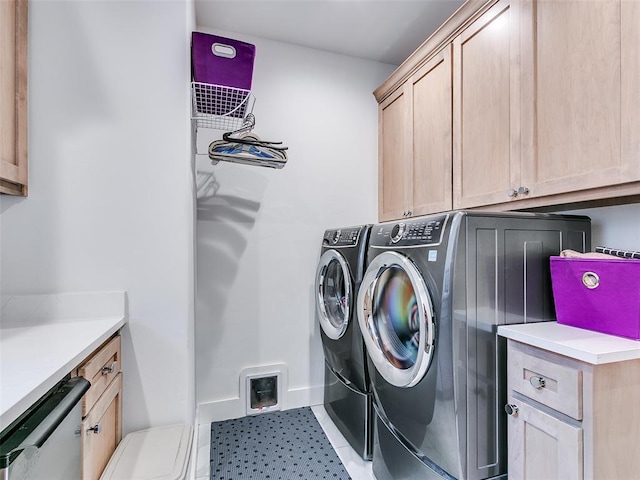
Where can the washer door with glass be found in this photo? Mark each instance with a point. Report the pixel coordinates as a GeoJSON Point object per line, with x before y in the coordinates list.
{"type": "Point", "coordinates": [333, 294]}
{"type": "Point", "coordinates": [395, 314]}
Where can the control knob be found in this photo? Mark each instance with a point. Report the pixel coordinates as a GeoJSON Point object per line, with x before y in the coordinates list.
{"type": "Point", "coordinates": [336, 236]}
{"type": "Point", "coordinates": [397, 231]}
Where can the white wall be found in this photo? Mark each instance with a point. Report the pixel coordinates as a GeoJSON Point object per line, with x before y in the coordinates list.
{"type": "Point", "coordinates": [259, 230]}
{"type": "Point", "coordinates": [110, 203]}
{"type": "Point", "coordinates": [615, 227]}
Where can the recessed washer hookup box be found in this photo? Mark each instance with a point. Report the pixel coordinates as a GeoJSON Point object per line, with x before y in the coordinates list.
{"type": "Point", "coordinates": [598, 294]}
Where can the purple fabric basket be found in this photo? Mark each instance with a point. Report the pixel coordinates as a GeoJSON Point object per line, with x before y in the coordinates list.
{"type": "Point", "coordinates": [222, 61]}
{"type": "Point", "coordinates": [598, 294]}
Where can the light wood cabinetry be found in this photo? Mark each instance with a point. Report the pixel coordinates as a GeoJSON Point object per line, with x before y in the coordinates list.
{"type": "Point", "coordinates": [415, 143]}
{"type": "Point", "coordinates": [545, 110]}
{"type": "Point", "coordinates": [13, 97]}
{"type": "Point", "coordinates": [486, 160]}
{"type": "Point", "coordinates": [574, 58]}
{"type": "Point", "coordinates": [393, 156]}
{"type": "Point", "coordinates": [570, 419]}
{"type": "Point", "coordinates": [630, 86]}
{"type": "Point", "coordinates": [101, 408]}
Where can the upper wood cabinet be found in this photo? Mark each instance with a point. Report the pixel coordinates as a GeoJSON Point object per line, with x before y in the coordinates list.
{"type": "Point", "coordinates": [630, 86]}
{"type": "Point", "coordinates": [545, 108]}
{"type": "Point", "coordinates": [13, 97]}
{"type": "Point", "coordinates": [486, 160]}
{"type": "Point", "coordinates": [579, 95]}
{"type": "Point", "coordinates": [415, 143]}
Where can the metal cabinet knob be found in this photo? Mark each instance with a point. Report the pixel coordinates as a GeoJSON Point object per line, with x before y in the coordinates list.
{"type": "Point", "coordinates": [97, 428]}
{"type": "Point", "coordinates": [409, 213]}
{"type": "Point", "coordinates": [511, 193]}
{"type": "Point", "coordinates": [537, 382]}
{"type": "Point", "coordinates": [523, 191]}
{"type": "Point", "coordinates": [108, 369]}
{"type": "Point", "coordinates": [511, 409]}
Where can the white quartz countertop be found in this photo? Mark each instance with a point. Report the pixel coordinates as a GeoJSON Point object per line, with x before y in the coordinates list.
{"type": "Point", "coordinates": [585, 345]}
{"type": "Point", "coordinates": [36, 356]}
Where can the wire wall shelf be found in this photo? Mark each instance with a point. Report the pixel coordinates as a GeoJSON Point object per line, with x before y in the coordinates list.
{"type": "Point", "coordinates": [220, 107]}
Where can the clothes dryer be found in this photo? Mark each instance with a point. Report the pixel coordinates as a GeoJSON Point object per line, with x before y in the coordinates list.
{"type": "Point", "coordinates": [347, 389]}
{"type": "Point", "coordinates": [434, 291]}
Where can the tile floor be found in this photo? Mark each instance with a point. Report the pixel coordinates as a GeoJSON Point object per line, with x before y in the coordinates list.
{"type": "Point", "coordinates": [357, 468]}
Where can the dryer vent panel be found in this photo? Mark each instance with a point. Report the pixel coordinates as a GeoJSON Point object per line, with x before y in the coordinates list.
{"type": "Point", "coordinates": [263, 388]}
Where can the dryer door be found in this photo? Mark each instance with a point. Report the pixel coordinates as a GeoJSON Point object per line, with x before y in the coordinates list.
{"type": "Point", "coordinates": [333, 293]}
{"type": "Point", "coordinates": [395, 314]}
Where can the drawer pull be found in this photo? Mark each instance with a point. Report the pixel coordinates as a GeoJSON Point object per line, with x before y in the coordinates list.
{"type": "Point", "coordinates": [511, 409]}
{"type": "Point", "coordinates": [97, 428]}
{"type": "Point", "coordinates": [537, 382]}
{"type": "Point", "coordinates": [106, 370]}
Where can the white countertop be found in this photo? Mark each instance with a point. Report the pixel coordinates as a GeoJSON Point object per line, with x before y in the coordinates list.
{"type": "Point", "coordinates": [36, 356]}
{"type": "Point", "coordinates": [585, 345]}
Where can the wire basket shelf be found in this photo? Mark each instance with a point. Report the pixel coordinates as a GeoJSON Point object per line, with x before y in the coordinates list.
{"type": "Point", "coordinates": [220, 107]}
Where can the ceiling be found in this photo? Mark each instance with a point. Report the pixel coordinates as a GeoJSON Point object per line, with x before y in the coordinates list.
{"type": "Point", "coordinates": [384, 31]}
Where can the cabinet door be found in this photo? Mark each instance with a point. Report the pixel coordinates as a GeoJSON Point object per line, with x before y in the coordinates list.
{"type": "Point", "coordinates": [542, 447]}
{"type": "Point", "coordinates": [431, 135]}
{"type": "Point", "coordinates": [486, 76]}
{"type": "Point", "coordinates": [13, 97]}
{"type": "Point", "coordinates": [572, 95]}
{"type": "Point", "coordinates": [394, 165]}
{"type": "Point", "coordinates": [102, 431]}
{"type": "Point", "coordinates": [630, 73]}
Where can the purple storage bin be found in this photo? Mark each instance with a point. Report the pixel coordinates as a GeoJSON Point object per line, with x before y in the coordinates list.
{"type": "Point", "coordinates": [598, 294]}
{"type": "Point", "coordinates": [222, 61]}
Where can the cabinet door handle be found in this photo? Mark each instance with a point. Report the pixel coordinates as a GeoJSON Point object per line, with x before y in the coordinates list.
{"type": "Point", "coordinates": [523, 191]}
{"type": "Point", "coordinates": [511, 193]}
{"type": "Point", "coordinates": [409, 213]}
{"type": "Point", "coordinates": [511, 409]}
{"type": "Point", "coordinates": [537, 382]}
{"type": "Point", "coordinates": [97, 428]}
{"type": "Point", "coordinates": [106, 370]}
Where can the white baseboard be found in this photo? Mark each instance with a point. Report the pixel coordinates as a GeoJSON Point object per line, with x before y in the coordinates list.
{"type": "Point", "coordinates": [219, 410]}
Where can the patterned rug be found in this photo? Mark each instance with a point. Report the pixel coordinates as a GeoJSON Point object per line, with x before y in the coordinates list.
{"type": "Point", "coordinates": [288, 445]}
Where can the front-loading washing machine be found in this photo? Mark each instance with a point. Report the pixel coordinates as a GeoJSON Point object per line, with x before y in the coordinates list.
{"type": "Point", "coordinates": [433, 294]}
{"type": "Point", "coordinates": [347, 387]}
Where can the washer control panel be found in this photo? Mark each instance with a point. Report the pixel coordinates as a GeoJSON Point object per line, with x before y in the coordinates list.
{"type": "Point", "coordinates": [343, 237]}
{"type": "Point", "coordinates": [422, 231]}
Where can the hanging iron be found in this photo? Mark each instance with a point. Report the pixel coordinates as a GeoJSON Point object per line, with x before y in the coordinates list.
{"type": "Point", "coordinates": [243, 146]}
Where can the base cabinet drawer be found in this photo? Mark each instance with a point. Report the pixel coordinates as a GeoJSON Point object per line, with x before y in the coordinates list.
{"type": "Point", "coordinates": [102, 430]}
{"type": "Point", "coordinates": [100, 369]}
{"type": "Point", "coordinates": [541, 378]}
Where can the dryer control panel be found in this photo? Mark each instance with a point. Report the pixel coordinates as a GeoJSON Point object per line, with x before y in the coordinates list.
{"type": "Point", "coordinates": [342, 237]}
{"type": "Point", "coordinates": [422, 231]}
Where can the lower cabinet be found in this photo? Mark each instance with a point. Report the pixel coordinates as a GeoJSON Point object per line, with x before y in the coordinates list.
{"type": "Point", "coordinates": [102, 431]}
{"type": "Point", "coordinates": [542, 445]}
{"type": "Point", "coordinates": [101, 408]}
{"type": "Point", "coordinates": [569, 419]}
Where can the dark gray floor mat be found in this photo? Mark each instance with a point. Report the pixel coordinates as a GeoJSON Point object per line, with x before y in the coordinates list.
{"type": "Point", "coordinates": [288, 445]}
